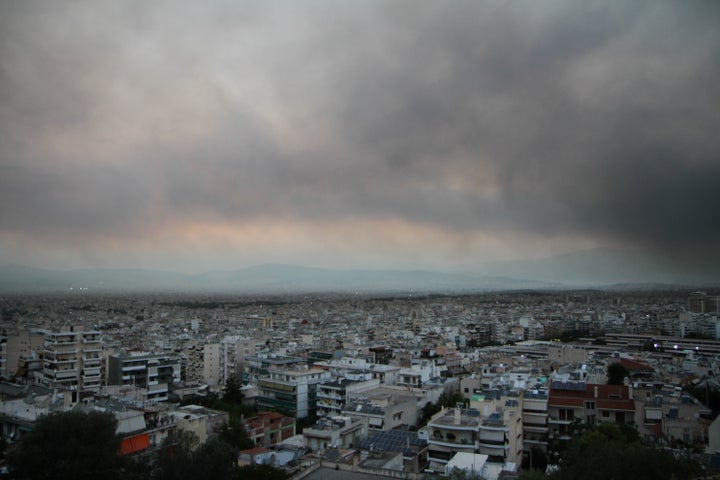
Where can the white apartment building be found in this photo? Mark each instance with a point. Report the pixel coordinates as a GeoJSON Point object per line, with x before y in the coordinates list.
{"type": "Point", "coordinates": [72, 360]}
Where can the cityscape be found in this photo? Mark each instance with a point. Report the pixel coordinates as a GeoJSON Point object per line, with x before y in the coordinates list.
{"type": "Point", "coordinates": [386, 385]}
{"type": "Point", "coordinates": [407, 239]}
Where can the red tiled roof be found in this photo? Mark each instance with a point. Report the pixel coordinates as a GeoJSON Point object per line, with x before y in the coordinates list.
{"type": "Point", "coordinates": [614, 404]}
{"type": "Point", "coordinates": [609, 397]}
{"type": "Point", "coordinates": [566, 402]}
{"type": "Point", "coordinates": [635, 366]}
{"type": "Point", "coordinates": [253, 451]}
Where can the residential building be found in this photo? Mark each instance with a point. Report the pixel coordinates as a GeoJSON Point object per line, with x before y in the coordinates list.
{"type": "Point", "coordinates": [535, 418]}
{"type": "Point", "coordinates": [203, 422]}
{"type": "Point", "coordinates": [338, 432]}
{"type": "Point", "coordinates": [292, 391]}
{"type": "Point", "coordinates": [256, 366]}
{"type": "Point", "coordinates": [588, 403]}
{"type": "Point", "coordinates": [72, 360]}
{"type": "Point", "coordinates": [269, 428]}
{"type": "Point", "coordinates": [153, 372]}
{"type": "Point", "coordinates": [385, 408]}
{"type": "Point", "coordinates": [23, 344]}
{"type": "Point", "coordinates": [333, 396]}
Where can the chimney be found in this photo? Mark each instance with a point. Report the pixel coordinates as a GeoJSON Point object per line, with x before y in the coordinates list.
{"type": "Point", "coordinates": [457, 416]}
{"type": "Point", "coordinates": [595, 390]}
{"type": "Point", "coordinates": [630, 391]}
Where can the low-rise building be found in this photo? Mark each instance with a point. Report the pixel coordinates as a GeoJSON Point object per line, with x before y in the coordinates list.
{"type": "Point", "coordinates": [338, 432]}
{"type": "Point", "coordinates": [588, 403]}
{"type": "Point", "coordinates": [269, 428]}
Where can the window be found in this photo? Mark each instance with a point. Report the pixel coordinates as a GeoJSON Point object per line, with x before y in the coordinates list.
{"type": "Point", "coordinates": [589, 405]}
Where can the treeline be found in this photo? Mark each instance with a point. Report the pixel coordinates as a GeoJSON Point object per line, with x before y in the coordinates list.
{"type": "Point", "coordinates": [79, 445]}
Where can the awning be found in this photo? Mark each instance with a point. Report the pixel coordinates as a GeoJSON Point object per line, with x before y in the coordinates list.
{"type": "Point", "coordinates": [134, 444]}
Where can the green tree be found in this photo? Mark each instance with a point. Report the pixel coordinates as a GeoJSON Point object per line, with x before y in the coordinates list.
{"type": "Point", "coordinates": [610, 451]}
{"type": "Point", "coordinates": [234, 434]}
{"type": "Point", "coordinates": [260, 472]}
{"type": "Point", "coordinates": [70, 445]}
{"type": "Point", "coordinates": [232, 392]}
{"type": "Point", "coordinates": [214, 460]}
{"type": "Point", "coordinates": [459, 474]}
{"type": "Point", "coordinates": [616, 373]}
{"type": "Point", "coordinates": [175, 460]}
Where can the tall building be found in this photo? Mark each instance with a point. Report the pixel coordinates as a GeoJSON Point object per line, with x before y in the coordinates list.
{"type": "Point", "coordinates": [72, 360]}
{"type": "Point", "coordinates": [214, 363]}
{"type": "Point", "coordinates": [211, 364]}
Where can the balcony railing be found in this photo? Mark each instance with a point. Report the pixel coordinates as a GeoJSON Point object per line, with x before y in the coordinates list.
{"type": "Point", "coordinates": [456, 444]}
{"type": "Point", "coordinates": [558, 421]}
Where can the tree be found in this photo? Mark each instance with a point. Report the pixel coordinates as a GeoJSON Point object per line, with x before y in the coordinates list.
{"type": "Point", "coordinates": [609, 451]}
{"type": "Point", "coordinates": [234, 434]}
{"type": "Point", "coordinates": [616, 373]}
{"type": "Point", "coordinates": [175, 461]}
{"type": "Point", "coordinates": [70, 445]}
{"type": "Point", "coordinates": [261, 472]}
{"type": "Point", "coordinates": [214, 460]}
{"type": "Point", "coordinates": [232, 392]}
{"type": "Point", "coordinates": [460, 474]}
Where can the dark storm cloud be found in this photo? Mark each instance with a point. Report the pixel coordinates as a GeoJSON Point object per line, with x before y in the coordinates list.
{"type": "Point", "coordinates": [594, 119]}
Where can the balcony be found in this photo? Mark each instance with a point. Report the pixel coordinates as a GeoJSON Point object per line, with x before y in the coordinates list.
{"type": "Point", "coordinates": [535, 428]}
{"type": "Point", "coordinates": [492, 444]}
{"type": "Point", "coordinates": [60, 374]}
{"type": "Point", "coordinates": [454, 444]}
{"type": "Point", "coordinates": [331, 396]}
{"type": "Point", "coordinates": [59, 351]}
{"type": "Point", "coordinates": [558, 421]}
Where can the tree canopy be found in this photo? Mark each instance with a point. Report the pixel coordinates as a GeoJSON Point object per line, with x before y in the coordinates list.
{"type": "Point", "coordinates": [609, 451]}
{"type": "Point", "coordinates": [70, 445]}
{"type": "Point", "coordinates": [616, 373]}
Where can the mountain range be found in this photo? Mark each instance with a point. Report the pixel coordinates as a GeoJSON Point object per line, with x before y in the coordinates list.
{"type": "Point", "coordinates": [591, 268]}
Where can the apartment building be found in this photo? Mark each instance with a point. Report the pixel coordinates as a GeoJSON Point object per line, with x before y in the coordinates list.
{"type": "Point", "coordinates": [588, 403]}
{"type": "Point", "coordinates": [153, 372]}
{"type": "Point", "coordinates": [333, 396]}
{"type": "Point", "coordinates": [72, 360]}
{"type": "Point", "coordinates": [24, 344]}
{"type": "Point", "coordinates": [450, 431]}
{"type": "Point", "coordinates": [292, 391]}
{"type": "Point", "coordinates": [535, 418]}
{"type": "Point", "coordinates": [338, 431]}
{"type": "Point", "coordinates": [501, 430]}
{"type": "Point", "coordinates": [269, 428]}
{"type": "Point", "coordinates": [256, 366]}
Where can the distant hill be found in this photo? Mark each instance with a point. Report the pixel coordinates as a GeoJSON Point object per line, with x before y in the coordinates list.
{"type": "Point", "coordinates": [257, 279]}
{"type": "Point", "coordinates": [600, 267]}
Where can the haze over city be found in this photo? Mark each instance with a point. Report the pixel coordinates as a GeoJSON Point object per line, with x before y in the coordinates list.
{"type": "Point", "coordinates": [192, 137]}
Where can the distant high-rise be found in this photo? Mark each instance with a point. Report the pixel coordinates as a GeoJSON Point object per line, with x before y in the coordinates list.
{"type": "Point", "coordinates": [701, 302]}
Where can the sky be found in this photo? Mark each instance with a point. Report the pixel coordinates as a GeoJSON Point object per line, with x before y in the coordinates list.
{"type": "Point", "coordinates": [193, 136]}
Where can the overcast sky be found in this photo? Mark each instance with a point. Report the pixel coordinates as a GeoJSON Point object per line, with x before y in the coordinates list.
{"type": "Point", "coordinates": [193, 136]}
